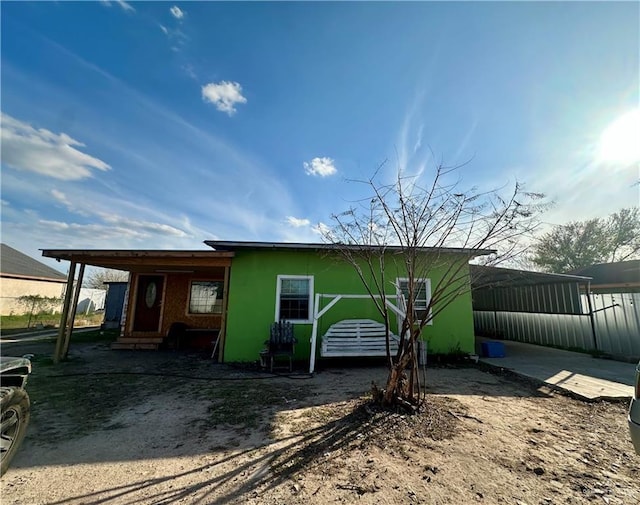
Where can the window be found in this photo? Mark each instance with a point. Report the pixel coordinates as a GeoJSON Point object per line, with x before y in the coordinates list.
{"type": "Point", "coordinates": [293, 298]}
{"type": "Point", "coordinates": [206, 297]}
{"type": "Point", "coordinates": [421, 295]}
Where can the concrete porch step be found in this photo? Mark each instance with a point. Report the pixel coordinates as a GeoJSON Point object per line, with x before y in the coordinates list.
{"type": "Point", "coordinates": [137, 343]}
{"type": "Point", "coordinates": [151, 347]}
{"type": "Point", "coordinates": [140, 340]}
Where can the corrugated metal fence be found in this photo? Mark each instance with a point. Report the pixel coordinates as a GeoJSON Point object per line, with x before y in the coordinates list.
{"type": "Point", "coordinates": [616, 321]}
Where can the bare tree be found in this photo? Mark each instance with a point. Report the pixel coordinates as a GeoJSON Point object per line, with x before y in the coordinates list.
{"type": "Point", "coordinates": [99, 276]}
{"type": "Point", "coordinates": [414, 227]}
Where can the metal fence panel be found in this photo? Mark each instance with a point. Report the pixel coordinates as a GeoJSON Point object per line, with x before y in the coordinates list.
{"type": "Point", "coordinates": [560, 330]}
{"type": "Point", "coordinates": [560, 298]}
{"type": "Point", "coordinates": [616, 320]}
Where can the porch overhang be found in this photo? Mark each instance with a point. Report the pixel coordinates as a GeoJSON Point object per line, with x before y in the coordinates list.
{"type": "Point", "coordinates": [145, 261]}
{"type": "Point", "coordinates": [135, 262]}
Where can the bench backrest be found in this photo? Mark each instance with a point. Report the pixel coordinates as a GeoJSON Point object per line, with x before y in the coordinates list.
{"type": "Point", "coordinates": [281, 337]}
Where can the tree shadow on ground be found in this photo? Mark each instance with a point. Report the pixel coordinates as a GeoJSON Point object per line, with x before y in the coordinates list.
{"type": "Point", "coordinates": [279, 462]}
{"type": "Point", "coordinates": [92, 408]}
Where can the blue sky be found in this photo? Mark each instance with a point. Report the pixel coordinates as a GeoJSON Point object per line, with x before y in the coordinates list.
{"type": "Point", "coordinates": [160, 125]}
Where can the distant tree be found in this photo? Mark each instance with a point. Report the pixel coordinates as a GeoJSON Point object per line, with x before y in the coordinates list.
{"type": "Point", "coordinates": [99, 276]}
{"type": "Point", "coordinates": [624, 230]}
{"type": "Point", "coordinates": [582, 243]}
{"type": "Point", "coordinates": [35, 305]}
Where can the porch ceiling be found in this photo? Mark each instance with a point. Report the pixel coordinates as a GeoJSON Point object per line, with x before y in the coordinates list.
{"type": "Point", "coordinates": [146, 261]}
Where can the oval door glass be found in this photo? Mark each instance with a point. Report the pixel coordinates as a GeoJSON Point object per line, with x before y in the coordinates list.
{"type": "Point", "coordinates": [151, 294]}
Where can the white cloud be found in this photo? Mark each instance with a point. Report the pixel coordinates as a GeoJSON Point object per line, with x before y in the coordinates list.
{"type": "Point", "coordinates": [176, 37]}
{"type": "Point", "coordinates": [224, 95]}
{"type": "Point", "coordinates": [418, 143]}
{"type": "Point", "coordinates": [142, 226]}
{"type": "Point", "coordinates": [190, 71]}
{"type": "Point", "coordinates": [125, 5]}
{"type": "Point", "coordinates": [117, 227]}
{"type": "Point", "coordinates": [323, 167]}
{"type": "Point", "coordinates": [322, 229]}
{"type": "Point", "coordinates": [176, 12]}
{"type": "Point", "coordinates": [60, 197]}
{"type": "Point", "coordinates": [297, 222]}
{"type": "Point", "coordinates": [44, 152]}
{"type": "Point", "coordinates": [93, 230]}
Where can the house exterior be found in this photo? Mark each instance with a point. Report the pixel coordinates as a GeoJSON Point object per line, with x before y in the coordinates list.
{"type": "Point", "coordinates": [262, 273]}
{"type": "Point", "coordinates": [21, 275]}
{"type": "Point", "coordinates": [230, 295]}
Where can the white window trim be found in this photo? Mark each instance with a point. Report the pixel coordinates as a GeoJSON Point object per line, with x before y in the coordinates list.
{"type": "Point", "coordinates": [427, 282]}
{"type": "Point", "coordinates": [309, 319]}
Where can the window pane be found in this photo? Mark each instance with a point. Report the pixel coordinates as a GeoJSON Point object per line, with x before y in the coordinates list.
{"type": "Point", "coordinates": [294, 308]}
{"type": "Point", "coordinates": [295, 287]}
{"type": "Point", "coordinates": [206, 297]}
{"type": "Point", "coordinates": [420, 293]}
{"type": "Point", "coordinates": [294, 299]}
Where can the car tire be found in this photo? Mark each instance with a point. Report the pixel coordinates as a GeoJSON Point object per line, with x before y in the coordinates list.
{"type": "Point", "coordinates": [15, 413]}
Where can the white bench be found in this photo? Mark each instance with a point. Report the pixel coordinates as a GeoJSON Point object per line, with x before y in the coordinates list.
{"type": "Point", "coordinates": [357, 337]}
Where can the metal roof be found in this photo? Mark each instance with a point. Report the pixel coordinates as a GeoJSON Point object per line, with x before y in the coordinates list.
{"type": "Point", "coordinates": [16, 264]}
{"type": "Point", "coordinates": [228, 245]}
{"type": "Point", "coordinates": [618, 273]}
{"type": "Point", "coordinates": [493, 277]}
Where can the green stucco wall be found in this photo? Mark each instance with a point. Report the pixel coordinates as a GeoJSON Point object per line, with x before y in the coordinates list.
{"type": "Point", "coordinates": [252, 302]}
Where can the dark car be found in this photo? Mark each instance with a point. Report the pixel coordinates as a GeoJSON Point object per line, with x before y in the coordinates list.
{"type": "Point", "coordinates": [14, 406]}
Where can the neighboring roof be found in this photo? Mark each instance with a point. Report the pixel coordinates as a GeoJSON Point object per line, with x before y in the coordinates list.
{"type": "Point", "coordinates": [138, 260]}
{"type": "Point", "coordinates": [13, 263]}
{"type": "Point", "coordinates": [227, 245]}
{"type": "Point", "coordinates": [494, 277]}
{"type": "Point", "coordinates": [621, 273]}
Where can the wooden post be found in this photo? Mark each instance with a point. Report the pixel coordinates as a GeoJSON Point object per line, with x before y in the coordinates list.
{"type": "Point", "coordinates": [223, 322]}
{"type": "Point", "coordinates": [314, 334]}
{"type": "Point", "coordinates": [65, 312]}
{"type": "Point", "coordinates": [72, 319]}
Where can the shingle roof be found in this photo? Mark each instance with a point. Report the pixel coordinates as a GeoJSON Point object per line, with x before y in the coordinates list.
{"type": "Point", "coordinates": [15, 263]}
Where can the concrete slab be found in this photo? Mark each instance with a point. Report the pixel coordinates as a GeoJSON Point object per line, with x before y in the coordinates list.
{"type": "Point", "coordinates": [580, 374]}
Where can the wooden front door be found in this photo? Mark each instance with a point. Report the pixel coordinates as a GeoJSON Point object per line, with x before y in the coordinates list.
{"type": "Point", "coordinates": [148, 303]}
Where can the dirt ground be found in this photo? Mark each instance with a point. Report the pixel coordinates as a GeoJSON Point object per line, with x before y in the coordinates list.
{"type": "Point", "coordinates": [156, 427]}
